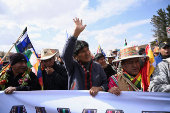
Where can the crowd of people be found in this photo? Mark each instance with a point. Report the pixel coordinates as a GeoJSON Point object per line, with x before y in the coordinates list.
{"type": "Point", "coordinates": [113, 73]}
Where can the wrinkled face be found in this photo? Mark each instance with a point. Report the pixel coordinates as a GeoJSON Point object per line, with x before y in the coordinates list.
{"type": "Point", "coordinates": [101, 61]}
{"type": "Point", "coordinates": [110, 59]}
{"type": "Point", "coordinates": [49, 62]}
{"type": "Point", "coordinates": [84, 55]}
{"type": "Point", "coordinates": [19, 67]}
{"type": "Point", "coordinates": [131, 66]}
{"type": "Point", "coordinates": [165, 52]}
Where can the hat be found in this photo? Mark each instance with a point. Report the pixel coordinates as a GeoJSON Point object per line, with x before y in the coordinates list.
{"type": "Point", "coordinates": [110, 54]}
{"type": "Point", "coordinates": [156, 50]}
{"type": "Point", "coordinates": [46, 54]}
{"type": "Point", "coordinates": [16, 57]}
{"type": "Point", "coordinates": [163, 44]}
{"type": "Point", "coordinates": [128, 52]}
{"type": "Point", "coordinates": [114, 50]}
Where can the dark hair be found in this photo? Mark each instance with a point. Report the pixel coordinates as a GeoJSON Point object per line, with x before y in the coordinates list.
{"type": "Point", "coordinates": [141, 50]}
{"type": "Point", "coordinates": [98, 56]}
{"type": "Point", "coordinates": [79, 46]}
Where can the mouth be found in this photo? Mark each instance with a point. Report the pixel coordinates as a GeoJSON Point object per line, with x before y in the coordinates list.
{"type": "Point", "coordinates": [136, 69]}
{"type": "Point", "coordinates": [23, 69]}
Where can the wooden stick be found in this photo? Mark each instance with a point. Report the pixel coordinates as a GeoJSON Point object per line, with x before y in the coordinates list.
{"type": "Point", "coordinates": [13, 45]}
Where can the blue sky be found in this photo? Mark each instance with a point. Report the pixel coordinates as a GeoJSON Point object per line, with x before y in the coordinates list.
{"type": "Point", "coordinates": [108, 22]}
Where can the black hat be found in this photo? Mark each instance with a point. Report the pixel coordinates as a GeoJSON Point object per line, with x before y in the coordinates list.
{"type": "Point", "coordinates": [16, 57]}
{"type": "Point", "coordinates": [163, 44]}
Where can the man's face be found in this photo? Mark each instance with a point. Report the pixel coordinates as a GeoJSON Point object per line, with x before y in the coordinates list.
{"type": "Point", "coordinates": [49, 62]}
{"type": "Point", "coordinates": [110, 59]}
{"type": "Point", "coordinates": [84, 55]}
{"type": "Point", "coordinates": [165, 52]}
{"type": "Point", "coordinates": [20, 67]}
{"type": "Point", "coordinates": [131, 66]}
{"type": "Point", "coordinates": [102, 61]}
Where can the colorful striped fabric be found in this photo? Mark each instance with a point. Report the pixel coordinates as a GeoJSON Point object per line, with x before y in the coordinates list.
{"type": "Point", "coordinates": [113, 81]}
{"type": "Point", "coordinates": [135, 80]}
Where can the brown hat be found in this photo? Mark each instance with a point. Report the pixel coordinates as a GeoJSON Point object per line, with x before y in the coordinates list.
{"type": "Point", "coordinates": [46, 54]}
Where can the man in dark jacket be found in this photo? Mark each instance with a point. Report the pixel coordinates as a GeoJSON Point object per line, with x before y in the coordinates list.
{"type": "Point", "coordinates": [84, 74]}
{"type": "Point", "coordinates": [54, 76]}
{"type": "Point", "coordinates": [100, 58]}
{"type": "Point", "coordinates": [17, 77]}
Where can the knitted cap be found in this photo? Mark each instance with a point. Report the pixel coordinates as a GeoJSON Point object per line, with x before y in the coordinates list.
{"type": "Point", "coordinates": [16, 57]}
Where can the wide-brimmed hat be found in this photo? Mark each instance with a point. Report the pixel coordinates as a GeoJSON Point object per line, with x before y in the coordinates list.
{"type": "Point", "coordinates": [46, 54]}
{"type": "Point", "coordinates": [129, 52]}
{"type": "Point", "coordinates": [110, 54]}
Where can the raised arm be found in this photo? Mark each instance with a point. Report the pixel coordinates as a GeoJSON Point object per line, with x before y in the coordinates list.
{"type": "Point", "coordinates": [68, 51]}
{"type": "Point", "coordinates": [79, 27]}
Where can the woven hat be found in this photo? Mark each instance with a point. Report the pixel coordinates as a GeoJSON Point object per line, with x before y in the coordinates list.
{"type": "Point", "coordinates": [46, 54]}
{"type": "Point", "coordinates": [129, 52]}
{"type": "Point", "coordinates": [110, 54]}
{"type": "Point", "coordinates": [156, 50]}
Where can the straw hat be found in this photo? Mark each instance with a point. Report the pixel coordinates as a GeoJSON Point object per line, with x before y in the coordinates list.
{"type": "Point", "coordinates": [156, 50]}
{"type": "Point", "coordinates": [110, 54]}
{"type": "Point", "coordinates": [46, 54]}
{"type": "Point", "coordinates": [129, 52]}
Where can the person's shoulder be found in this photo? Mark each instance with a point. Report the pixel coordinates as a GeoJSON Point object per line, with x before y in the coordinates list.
{"type": "Point", "coordinates": [96, 64]}
{"type": "Point", "coordinates": [157, 57]}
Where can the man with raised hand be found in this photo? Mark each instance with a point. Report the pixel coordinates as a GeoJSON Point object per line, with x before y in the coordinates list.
{"type": "Point", "coordinates": [84, 73]}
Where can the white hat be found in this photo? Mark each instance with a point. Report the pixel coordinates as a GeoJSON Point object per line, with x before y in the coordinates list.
{"type": "Point", "coordinates": [110, 54]}
{"type": "Point", "coordinates": [46, 54]}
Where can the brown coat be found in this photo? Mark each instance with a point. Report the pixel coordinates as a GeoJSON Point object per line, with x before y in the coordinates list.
{"type": "Point", "coordinates": [124, 84]}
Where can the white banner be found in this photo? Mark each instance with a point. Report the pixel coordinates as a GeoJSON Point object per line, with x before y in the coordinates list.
{"type": "Point", "coordinates": [77, 100]}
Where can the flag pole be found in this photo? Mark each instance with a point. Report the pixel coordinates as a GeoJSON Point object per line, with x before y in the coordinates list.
{"type": "Point", "coordinates": [14, 44]}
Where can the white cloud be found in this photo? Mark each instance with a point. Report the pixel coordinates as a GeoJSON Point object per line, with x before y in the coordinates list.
{"type": "Point", "coordinates": [139, 35]}
{"type": "Point", "coordinates": [35, 35]}
{"type": "Point", "coordinates": [105, 9]}
{"type": "Point", "coordinates": [42, 15]}
{"type": "Point", "coordinates": [108, 36]}
{"type": "Point", "coordinates": [134, 43]}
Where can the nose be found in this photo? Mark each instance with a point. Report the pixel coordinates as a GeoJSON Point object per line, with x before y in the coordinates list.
{"type": "Point", "coordinates": [24, 64]}
{"type": "Point", "coordinates": [134, 64]}
{"type": "Point", "coordinates": [48, 63]}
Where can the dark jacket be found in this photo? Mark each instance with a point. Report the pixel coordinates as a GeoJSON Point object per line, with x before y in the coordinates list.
{"type": "Point", "coordinates": [13, 81]}
{"type": "Point", "coordinates": [58, 80]}
{"type": "Point", "coordinates": [109, 71]}
{"type": "Point", "coordinates": [77, 73]}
